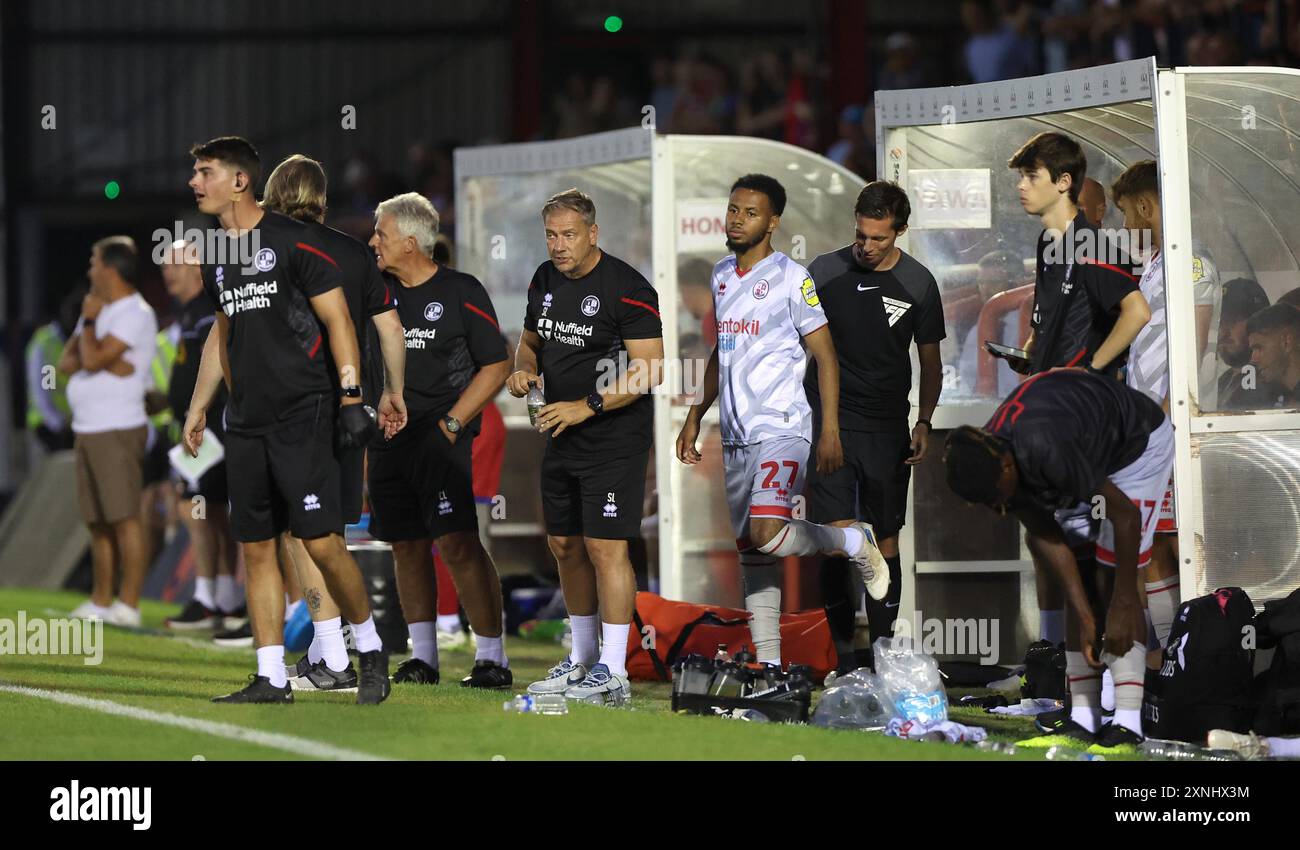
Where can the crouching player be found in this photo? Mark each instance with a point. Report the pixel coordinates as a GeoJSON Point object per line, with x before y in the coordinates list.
{"type": "Point", "coordinates": [1064, 437]}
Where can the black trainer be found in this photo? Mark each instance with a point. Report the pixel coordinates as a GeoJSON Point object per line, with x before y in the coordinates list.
{"type": "Point", "coordinates": [489, 675]}
{"type": "Point", "coordinates": [319, 677]}
{"type": "Point", "coordinates": [300, 668]}
{"type": "Point", "coordinates": [373, 686]}
{"type": "Point", "coordinates": [259, 689]}
{"type": "Point", "coordinates": [1114, 739]}
{"type": "Point", "coordinates": [242, 636]}
{"type": "Point", "coordinates": [234, 619]}
{"type": "Point", "coordinates": [195, 617]}
{"type": "Point", "coordinates": [415, 671]}
{"type": "Point", "coordinates": [1058, 730]}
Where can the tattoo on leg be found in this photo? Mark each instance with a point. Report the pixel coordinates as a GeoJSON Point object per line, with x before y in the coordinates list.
{"type": "Point", "coordinates": [313, 599]}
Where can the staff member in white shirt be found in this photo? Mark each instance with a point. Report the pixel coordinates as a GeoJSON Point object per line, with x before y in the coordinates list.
{"type": "Point", "coordinates": [108, 357]}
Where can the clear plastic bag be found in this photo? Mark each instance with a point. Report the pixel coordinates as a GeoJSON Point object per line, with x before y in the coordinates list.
{"type": "Point", "coordinates": [855, 701]}
{"type": "Point", "coordinates": [911, 681]}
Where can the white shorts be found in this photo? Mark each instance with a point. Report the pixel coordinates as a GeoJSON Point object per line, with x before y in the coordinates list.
{"type": "Point", "coordinates": [1167, 522]}
{"type": "Point", "coordinates": [1145, 482]}
{"type": "Point", "coordinates": [763, 480]}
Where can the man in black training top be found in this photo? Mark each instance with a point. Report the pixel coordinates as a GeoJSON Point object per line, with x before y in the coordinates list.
{"type": "Point", "coordinates": [297, 188]}
{"type": "Point", "coordinates": [593, 341]}
{"type": "Point", "coordinates": [1065, 437]}
{"type": "Point", "coordinates": [421, 482]}
{"type": "Point", "coordinates": [279, 293]}
{"type": "Point", "coordinates": [878, 301]}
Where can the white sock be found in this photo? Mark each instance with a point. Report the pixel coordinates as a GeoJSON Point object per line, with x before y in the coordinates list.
{"type": "Point", "coordinates": [448, 622]}
{"type": "Point", "coordinates": [290, 609]}
{"type": "Point", "coordinates": [203, 592]}
{"type": "Point", "coordinates": [760, 575]}
{"type": "Point", "coordinates": [313, 649]}
{"type": "Point", "coordinates": [1085, 691]}
{"type": "Point", "coordinates": [800, 537]}
{"type": "Point", "coordinates": [366, 637]}
{"type": "Point", "coordinates": [1163, 598]}
{"type": "Point", "coordinates": [270, 663]}
{"type": "Point", "coordinates": [424, 642]}
{"type": "Point", "coordinates": [585, 650]}
{"type": "Point", "coordinates": [229, 595]}
{"type": "Point", "coordinates": [1284, 747]}
{"type": "Point", "coordinates": [1107, 691]}
{"type": "Point", "coordinates": [330, 644]}
{"type": "Point", "coordinates": [491, 649]}
{"type": "Point", "coordinates": [1051, 625]}
{"type": "Point", "coordinates": [613, 650]}
{"type": "Point", "coordinates": [1129, 671]}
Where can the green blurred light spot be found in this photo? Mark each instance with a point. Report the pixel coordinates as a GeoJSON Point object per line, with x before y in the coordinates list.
{"type": "Point", "coordinates": [112, 190]}
{"type": "Point", "coordinates": [613, 23]}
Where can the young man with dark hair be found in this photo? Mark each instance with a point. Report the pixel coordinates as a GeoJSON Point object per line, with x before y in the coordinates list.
{"type": "Point", "coordinates": [107, 359]}
{"type": "Point", "coordinates": [282, 313]}
{"type": "Point", "coordinates": [1087, 307]}
{"type": "Point", "coordinates": [878, 301]}
{"type": "Point", "coordinates": [592, 319]}
{"type": "Point", "coordinates": [1274, 335]}
{"type": "Point", "coordinates": [1065, 437]}
{"type": "Point", "coordinates": [768, 310]}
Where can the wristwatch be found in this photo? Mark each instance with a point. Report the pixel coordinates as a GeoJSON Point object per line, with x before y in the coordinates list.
{"type": "Point", "coordinates": [352, 392]}
{"type": "Point", "coordinates": [926, 422]}
{"type": "Point", "coordinates": [1104, 371]}
{"type": "Point", "coordinates": [452, 423]}
{"type": "Point", "coordinates": [596, 403]}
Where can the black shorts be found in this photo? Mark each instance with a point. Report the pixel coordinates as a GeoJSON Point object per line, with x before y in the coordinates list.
{"type": "Point", "coordinates": [597, 497]}
{"type": "Point", "coordinates": [871, 485]}
{"type": "Point", "coordinates": [352, 466]}
{"type": "Point", "coordinates": [422, 488]}
{"type": "Point", "coordinates": [287, 480]}
{"type": "Point", "coordinates": [157, 466]}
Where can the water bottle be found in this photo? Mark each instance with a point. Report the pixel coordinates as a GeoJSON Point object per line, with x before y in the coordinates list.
{"type": "Point", "coordinates": [1067, 754]}
{"type": "Point", "coordinates": [996, 747]}
{"type": "Point", "coordinates": [537, 704]}
{"type": "Point", "coordinates": [535, 400]}
{"type": "Point", "coordinates": [1182, 751]}
{"type": "Point", "coordinates": [721, 655]}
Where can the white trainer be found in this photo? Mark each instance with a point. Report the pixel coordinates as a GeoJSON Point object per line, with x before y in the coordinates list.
{"type": "Point", "coordinates": [871, 563]}
{"type": "Point", "coordinates": [89, 611]}
{"type": "Point", "coordinates": [1249, 746]}
{"type": "Point", "coordinates": [121, 614]}
{"type": "Point", "coordinates": [559, 678]}
{"type": "Point", "coordinates": [601, 687]}
{"type": "Point", "coordinates": [453, 639]}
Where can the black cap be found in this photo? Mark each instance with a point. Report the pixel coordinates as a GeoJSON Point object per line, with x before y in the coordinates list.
{"type": "Point", "coordinates": [1242, 298]}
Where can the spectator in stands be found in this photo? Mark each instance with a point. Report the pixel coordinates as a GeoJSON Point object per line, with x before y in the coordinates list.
{"type": "Point", "coordinates": [1274, 336]}
{"type": "Point", "coordinates": [761, 107]}
{"type": "Point", "coordinates": [851, 134]}
{"type": "Point", "coordinates": [902, 68]}
{"type": "Point", "coordinates": [1242, 298]}
{"type": "Point", "coordinates": [995, 50]}
{"type": "Point", "coordinates": [108, 359]}
{"type": "Point", "coordinates": [49, 419]}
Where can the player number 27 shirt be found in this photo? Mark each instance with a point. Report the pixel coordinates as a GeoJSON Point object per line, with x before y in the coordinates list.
{"type": "Point", "coordinates": [762, 316]}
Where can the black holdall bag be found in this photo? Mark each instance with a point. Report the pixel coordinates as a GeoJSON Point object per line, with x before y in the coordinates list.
{"type": "Point", "coordinates": [1044, 676]}
{"type": "Point", "coordinates": [1205, 675]}
{"type": "Point", "coordinates": [1278, 627]}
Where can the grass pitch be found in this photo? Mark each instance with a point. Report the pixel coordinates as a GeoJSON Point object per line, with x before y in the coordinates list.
{"type": "Point", "coordinates": [174, 677]}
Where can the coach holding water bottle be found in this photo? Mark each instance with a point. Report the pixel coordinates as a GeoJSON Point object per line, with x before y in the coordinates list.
{"type": "Point", "coordinates": [591, 314]}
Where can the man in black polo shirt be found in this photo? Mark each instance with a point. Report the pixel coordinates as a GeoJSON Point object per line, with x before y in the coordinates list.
{"type": "Point", "coordinates": [1065, 437]}
{"type": "Point", "coordinates": [215, 593]}
{"type": "Point", "coordinates": [1088, 308]}
{"type": "Point", "coordinates": [279, 294]}
{"type": "Point", "coordinates": [297, 188]}
{"type": "Point", "coordinates": [592, 334]}
{"type": "Point", "coordinates": [878, 301]}
{"type": "Point", "coordinates": [421, 481]}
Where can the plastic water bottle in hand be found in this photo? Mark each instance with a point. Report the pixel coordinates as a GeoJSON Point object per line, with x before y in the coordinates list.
{"type": "Point", "coordinates": [536, 401]}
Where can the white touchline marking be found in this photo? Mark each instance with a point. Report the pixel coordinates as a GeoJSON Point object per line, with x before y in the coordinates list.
{"type": "Point", "coordinates": [274, 740]}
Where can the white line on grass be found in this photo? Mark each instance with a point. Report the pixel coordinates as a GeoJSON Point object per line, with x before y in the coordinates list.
{"type": "Point", "coordinates": [274, 740]}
